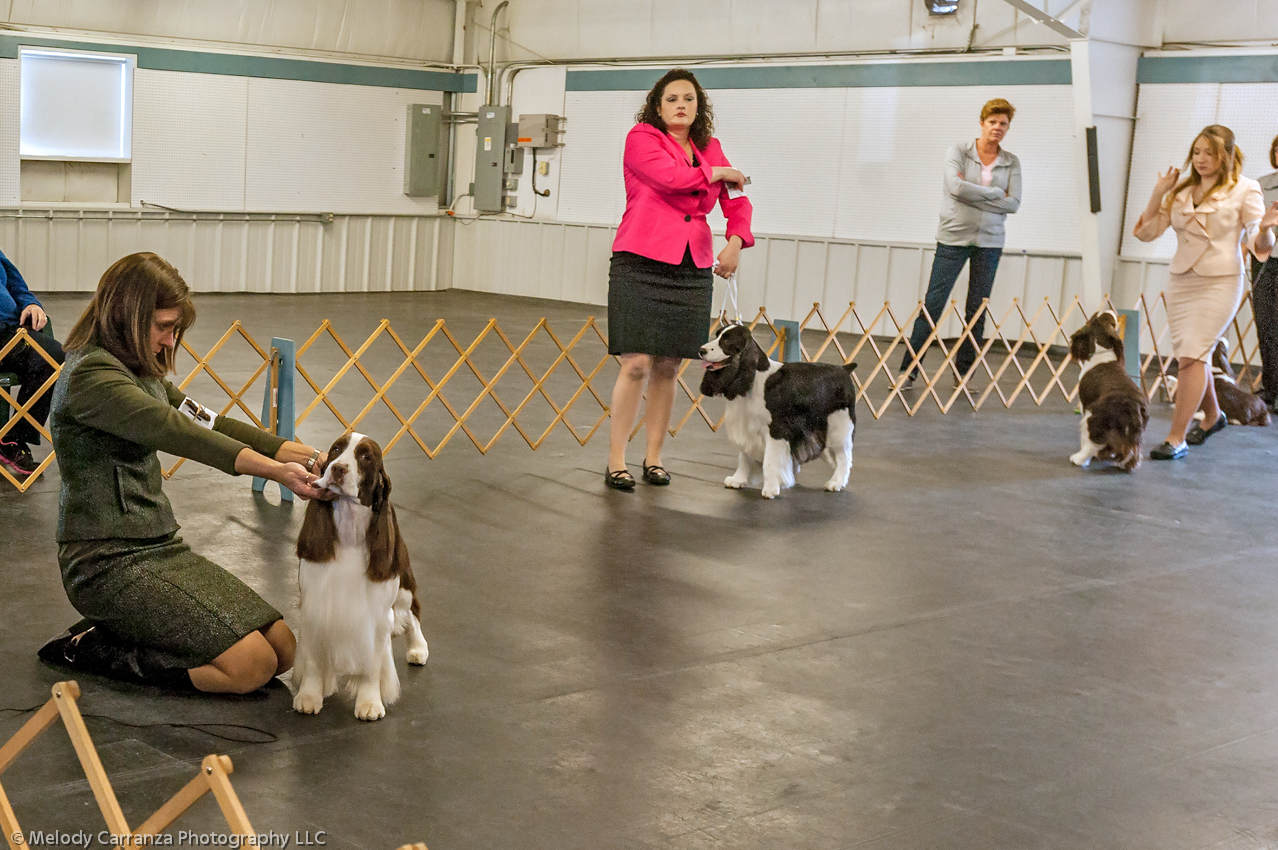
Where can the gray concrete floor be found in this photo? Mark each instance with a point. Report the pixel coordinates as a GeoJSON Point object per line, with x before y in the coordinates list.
{"type": "Point", "coordinates": [978, 646]}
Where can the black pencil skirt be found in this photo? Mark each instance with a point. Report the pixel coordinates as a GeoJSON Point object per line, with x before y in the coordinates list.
{"type": "Point", "coordinates": [658, 308]}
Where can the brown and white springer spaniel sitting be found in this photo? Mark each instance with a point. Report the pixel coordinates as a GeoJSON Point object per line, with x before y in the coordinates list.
{"type": "Point", "coordinates": [357, 588]}
{"type": "Point", "coordinates": [1239, 406]}
{"type": "Point", "coordinates": [1115, 412]}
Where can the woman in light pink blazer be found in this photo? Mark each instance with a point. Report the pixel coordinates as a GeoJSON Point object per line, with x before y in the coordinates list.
{"type": "Point", "coordinates": [659, 283]}
{"type": "Point", "coordinates": [1214, 211]}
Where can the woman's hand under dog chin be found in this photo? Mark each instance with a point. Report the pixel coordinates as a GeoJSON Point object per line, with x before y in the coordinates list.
{"type": "Point", "coordinates": [295, 477]}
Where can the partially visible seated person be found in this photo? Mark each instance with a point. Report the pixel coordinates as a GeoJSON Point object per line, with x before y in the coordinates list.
{"type": "Point", "coordinates": [154, 611]}
{"type": "Point", "coordinates": [18, 307]}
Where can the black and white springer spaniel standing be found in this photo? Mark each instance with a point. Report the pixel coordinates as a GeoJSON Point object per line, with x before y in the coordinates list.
{"type": "Point", "coordinates": [1115, 412]}
{"type": "Point", "coordinates": [357, 588]}
{"type": "Point", "coordinates": [780, 415]}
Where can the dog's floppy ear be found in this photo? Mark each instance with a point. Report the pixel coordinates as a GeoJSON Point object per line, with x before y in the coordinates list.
{"type": "Point", "coordinates": [754, 355]}
{"type": "Point", "coordinates": [386, 548]}
{"type": "Point", "coordinates": [1108, 336]}
{"type": "Point", "coordinates": [1082, 345]}
{"type": "Point", "coordinates": [1220, 358]}
{"type": "Point", "coordinates": [318, 540]}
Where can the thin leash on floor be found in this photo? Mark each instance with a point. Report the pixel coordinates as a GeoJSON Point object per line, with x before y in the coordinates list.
{"type": "Point", "coordinates": [206, 728]}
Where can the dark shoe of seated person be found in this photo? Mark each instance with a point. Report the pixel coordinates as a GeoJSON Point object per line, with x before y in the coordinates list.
{"type": "Point", "coordinates": [1167, 451]}
{"type": "Point", "coordinates": [1197, 436]}
{"type": "Point", "coordinates": [86, 648]}
{"type": "Point", "coordinates": [16, 457]}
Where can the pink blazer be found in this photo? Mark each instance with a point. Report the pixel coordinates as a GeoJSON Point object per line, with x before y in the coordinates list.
{"type": "Point", "coordinates": [667, 200]}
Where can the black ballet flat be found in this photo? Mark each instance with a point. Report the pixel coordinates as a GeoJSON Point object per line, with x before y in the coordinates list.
{"type": "Point", "coordinates": [655, 475]}
{"type": "Point", "coordinates": [619, 480]}
{"type": "Point", "coordinates": [1167, 451]}
{"type": "Point", "coordinates": [1198, 435]}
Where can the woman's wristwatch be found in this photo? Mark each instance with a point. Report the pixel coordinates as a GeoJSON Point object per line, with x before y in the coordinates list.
{"type": "Point", "coordinates": [310, 461]}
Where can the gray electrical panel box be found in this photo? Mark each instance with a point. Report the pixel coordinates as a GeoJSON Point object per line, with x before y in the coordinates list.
{"type": "Point", "coordinates": [490, 159]}
{"type": "Point", "coordinates": [421, 150]}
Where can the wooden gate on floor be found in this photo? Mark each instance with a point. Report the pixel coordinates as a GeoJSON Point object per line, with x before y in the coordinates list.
{"type": "Point", "coordinates": [544, 380]}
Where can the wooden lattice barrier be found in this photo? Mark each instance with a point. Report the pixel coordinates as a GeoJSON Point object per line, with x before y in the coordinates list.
{"type": "Point", "coordinates": [1023, 355]}
{"type": "Point", "coordinates": [213, 776]}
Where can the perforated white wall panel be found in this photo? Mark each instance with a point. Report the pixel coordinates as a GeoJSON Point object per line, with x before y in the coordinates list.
{"type": "Point", "coordinates": [591, 187]}
{"type": "Point", "coordinates": [859, 163]}
{"type": "Point", "coordinates": [1168, 117]}
{"type": "Point", "coordinates": [189, 133]}
{"type": "Point", "coordinates": [323, 146]}
{"type": "Point", "coordinates": [10, 165]}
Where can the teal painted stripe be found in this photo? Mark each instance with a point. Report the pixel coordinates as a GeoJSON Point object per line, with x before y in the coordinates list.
{"type": "Point", "coordinates": [269, 67]}
{"type": "Point", "coordinates": [1039, 72]}
{"type": "Point", "coordinates": [1207, 69]}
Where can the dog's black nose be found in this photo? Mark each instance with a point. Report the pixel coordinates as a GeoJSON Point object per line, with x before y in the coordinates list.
{"type": "Point", "coordinates": [703, 351]}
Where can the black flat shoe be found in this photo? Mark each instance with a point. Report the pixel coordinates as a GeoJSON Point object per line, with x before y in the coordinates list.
{"type": "Point", "coordinates": [655, 475]}
{"type": "Point", "coordinates": [1197, 436]}
{"type": "Point", "coordinates": [619, 480]}
{"type": "Point", "coordinates": [1169, 452]}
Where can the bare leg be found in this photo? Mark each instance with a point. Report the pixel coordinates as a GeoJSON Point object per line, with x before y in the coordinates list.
{"type": "Point", "coordinates": [281, 639]}
{"type": "Point", "coordinates": [245, 667]}
{"type": "Point", "coordinates": [626, 395]}
{"type": "Point", "coordinates": [1192, 390]}
{"type": "Point", "coordinates": [661, 395]}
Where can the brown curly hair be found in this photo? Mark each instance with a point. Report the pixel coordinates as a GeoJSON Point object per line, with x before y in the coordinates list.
{"type": "Point", "coordinates": [702, 129]}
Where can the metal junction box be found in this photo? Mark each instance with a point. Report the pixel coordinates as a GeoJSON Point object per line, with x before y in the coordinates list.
{"type": "Point", "coordinates": [540, 131]}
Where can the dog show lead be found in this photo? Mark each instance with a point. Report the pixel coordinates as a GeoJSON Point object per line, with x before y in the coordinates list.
{"type": "Point", "coordinates": [155, 612]}
{"type": "Point", "coordinates": [1214, 212]}
{"type": "Point", "coordinates": [660, 283]}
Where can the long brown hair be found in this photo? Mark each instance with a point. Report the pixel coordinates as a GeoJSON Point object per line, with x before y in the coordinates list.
{"type": "Point", "coordinates": [1221, 141]}
{"type": "Point", "coordinates": [702, 129]}
{"type": "Point", "coordinates": [120, 315]}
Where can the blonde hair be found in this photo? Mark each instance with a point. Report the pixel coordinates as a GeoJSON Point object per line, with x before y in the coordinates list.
{"type": "Point", "coordinates": [120, 314]}
{"type": "Point", "coordinates": [998, 106]}
{"type": "Point", "coordinates": [1220, 139]}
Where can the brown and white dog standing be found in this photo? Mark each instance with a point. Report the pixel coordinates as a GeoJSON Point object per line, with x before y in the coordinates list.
{"type": "Point", "coordinates": [1239, 406]}
{"type": "Point", "coordinates": [1115, 412]}
{"type": "Point", "coordinates": [357, 588]}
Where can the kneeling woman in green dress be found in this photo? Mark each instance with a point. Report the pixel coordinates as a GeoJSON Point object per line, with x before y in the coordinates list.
{"type": "Point", "coordinates": [155, 612]}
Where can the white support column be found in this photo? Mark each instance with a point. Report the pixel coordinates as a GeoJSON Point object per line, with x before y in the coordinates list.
{"type": "Point", "coordinates": [1088, 224]}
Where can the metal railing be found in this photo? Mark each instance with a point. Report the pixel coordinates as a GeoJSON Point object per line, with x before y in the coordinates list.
{"type": "Point", "coordinates": [1023, 357]}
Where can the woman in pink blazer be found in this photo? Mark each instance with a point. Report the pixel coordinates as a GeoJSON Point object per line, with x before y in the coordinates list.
{"type": "Point", "coordinates": [659, 284]}
{"type": "Point", "coordinates": [1214, 211]}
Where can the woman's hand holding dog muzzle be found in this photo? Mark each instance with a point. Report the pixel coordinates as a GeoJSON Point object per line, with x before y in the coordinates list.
{"type": "Point", "coordinates": [295, 477]}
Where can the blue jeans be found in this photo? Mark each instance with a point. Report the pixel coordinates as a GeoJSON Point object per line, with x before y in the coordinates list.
{"type": "Point", "coordinates": [946, 266]}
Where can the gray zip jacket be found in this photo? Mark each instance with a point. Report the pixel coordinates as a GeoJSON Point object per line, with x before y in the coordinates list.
{"type": "Point", "coordinates": [1269, 188]}
{"type": "Point", "coordinates": [972, 214]}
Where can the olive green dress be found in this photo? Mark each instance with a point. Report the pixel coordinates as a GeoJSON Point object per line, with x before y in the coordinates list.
{"type": "Point", "coordinates": [123, 565]}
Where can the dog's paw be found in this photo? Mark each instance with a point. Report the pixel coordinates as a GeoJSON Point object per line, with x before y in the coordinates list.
{"type": "Point", "coordinates": [370, 709]}
{"type": "Point", "coordinates": [418, 655]}
{"type": "Point", "coordinates": [1080, 459]}
{"type": "Point", "coordinates": [833, 486]}
{"type": "Point", "coordinates": [771, 491]}
{"type": "Point", "coordinates": [734, 482]}
{"type": "Point", "coordinates": [308, 703]}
